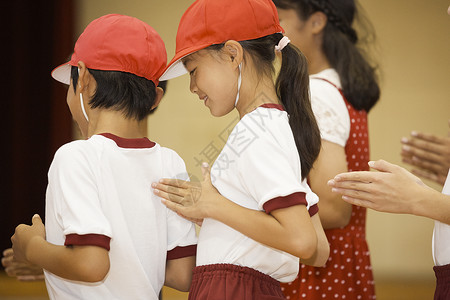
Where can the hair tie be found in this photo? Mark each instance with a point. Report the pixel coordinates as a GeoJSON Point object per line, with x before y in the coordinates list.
{"type": "Point", "coordinates": [282, 43]}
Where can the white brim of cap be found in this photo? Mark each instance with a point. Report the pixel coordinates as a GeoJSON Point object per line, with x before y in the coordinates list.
{"type": "Point", "coordinates": [62, 73]}
{"type": "Point", "coordinates": [175, 70]}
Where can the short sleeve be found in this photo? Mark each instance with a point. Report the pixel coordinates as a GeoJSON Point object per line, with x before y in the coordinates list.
{"type": "Point", "coordinates": [330, 112]}
{"type": "Point", "coordinates": [73, 191]}
{"type": "Point", "coordinates": [269, 167]}
{"type": "Point", "coordinates": [181, 235]}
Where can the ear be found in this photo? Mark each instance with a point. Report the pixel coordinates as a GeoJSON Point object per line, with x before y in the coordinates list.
{"type": "Point", "coordinates": [158, 97]}
{"type": "Point", "coordinates": [233, 52]}
{"type": "Point", "coordinates": [84, 77]}
{"type": "Point", "coordinates": [319, 21]}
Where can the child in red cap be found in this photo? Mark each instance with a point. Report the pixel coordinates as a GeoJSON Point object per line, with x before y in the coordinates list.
{"type": "Point", "coordinates": [103, 226]}
{"type": "Point", "coordinates": [257, 228]}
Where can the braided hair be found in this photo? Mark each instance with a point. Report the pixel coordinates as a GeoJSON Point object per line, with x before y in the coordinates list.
{"type": "Point", "coordinates": [340, 46]}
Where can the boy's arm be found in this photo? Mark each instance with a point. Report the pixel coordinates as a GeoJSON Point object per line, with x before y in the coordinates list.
{"type": "Point", "coordinates": [179, 273]}
{"type": "Point", "coordinates": [81, 263]}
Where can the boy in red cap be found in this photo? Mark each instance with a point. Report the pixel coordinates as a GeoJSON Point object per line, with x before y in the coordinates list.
{"type": "Point", "coordinates": [103, 226]}
{"type": "Point", "coordinates": [265, 217]}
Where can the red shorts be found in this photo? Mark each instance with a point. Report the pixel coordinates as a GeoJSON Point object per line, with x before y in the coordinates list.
{"type": "Point", "coordinates": [232, 282]}
{"type": "Point", "coordinates": [442, 282]}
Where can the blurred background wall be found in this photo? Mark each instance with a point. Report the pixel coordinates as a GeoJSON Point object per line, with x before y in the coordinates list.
{"type": "Point", "coordinates": [413, 52]}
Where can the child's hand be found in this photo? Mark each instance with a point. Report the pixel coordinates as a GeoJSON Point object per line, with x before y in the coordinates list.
{"type": "Point", "coordinates": [23, 235]}
{"type": "Point", "coordinates": [191, 200]}
{"type": "Point", "coordinates": [21, 270]}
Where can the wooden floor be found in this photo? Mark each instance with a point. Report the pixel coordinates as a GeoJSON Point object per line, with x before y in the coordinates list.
{"type": "Point", "coordinates": [11, 289]}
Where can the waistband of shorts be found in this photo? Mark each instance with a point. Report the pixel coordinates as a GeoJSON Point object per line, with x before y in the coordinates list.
{"type": "Point", "coordinates": [216, 269]}
{"type": "Point", "coordinates": [442, 272]}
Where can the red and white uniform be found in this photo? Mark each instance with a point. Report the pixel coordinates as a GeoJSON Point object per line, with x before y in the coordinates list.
{"type": "Point", "coordinates": [348, 272]}
{"type": "Point", "coordinates": [258, 168]}
{"type": "Point", "coordinates": [99, 193]}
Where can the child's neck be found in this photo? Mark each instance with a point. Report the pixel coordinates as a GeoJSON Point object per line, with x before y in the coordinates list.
{"type": "Point", "coordinates": [255, 93]}
{"type": "Point", "coordinates": [108, 121]}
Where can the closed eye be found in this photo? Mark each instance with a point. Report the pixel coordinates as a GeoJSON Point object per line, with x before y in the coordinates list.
{"type": "Point", "coordinates": [192, 72]}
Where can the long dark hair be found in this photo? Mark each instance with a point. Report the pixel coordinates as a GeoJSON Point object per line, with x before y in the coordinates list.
{"type": "Point", "coordinates": [292, 87]}
{"type": "Point", "coordinates": [340, 40]}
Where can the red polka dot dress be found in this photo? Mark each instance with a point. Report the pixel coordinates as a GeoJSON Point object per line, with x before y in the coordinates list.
{"type": "Point", "coordinates": [348, 272]}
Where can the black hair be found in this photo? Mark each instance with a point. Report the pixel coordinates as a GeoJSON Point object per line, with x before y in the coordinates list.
{"type": "Point", "coordinates": [121, 91]}
{"type": "Point", "coordinates": [340, 40]}
{"type": "Point", "coordinates": [292, 87]}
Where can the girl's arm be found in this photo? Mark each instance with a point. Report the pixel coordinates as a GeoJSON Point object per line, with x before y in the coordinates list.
{"type": "Point", "coordinates": [288, 229]}
{"type": "Point", "coordinates": [322, 252]}
{"type": "Point", "coordinates": [179, 273]}
{"type": "Point", "coordinates": [81, 263]}
{"type": "Point", "coordinates": [334, 212]}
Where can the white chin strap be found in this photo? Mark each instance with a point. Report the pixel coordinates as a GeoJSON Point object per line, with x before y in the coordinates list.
{"type": "Point", "coordinates": [82, 107]}
{"type": "Point", "coordinates": [239, 85]}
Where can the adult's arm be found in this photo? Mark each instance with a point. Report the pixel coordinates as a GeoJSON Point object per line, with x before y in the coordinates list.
{"type": "Point", "coordinates": [393, 189]}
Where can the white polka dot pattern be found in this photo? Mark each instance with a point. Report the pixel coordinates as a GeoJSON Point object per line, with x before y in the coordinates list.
{"type": "Point", "coordinates": [348, 272]}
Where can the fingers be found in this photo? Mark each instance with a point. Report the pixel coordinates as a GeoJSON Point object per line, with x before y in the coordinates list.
{"type": "Point", "coordinates": [423, 139]}
{"type": "Point", "coordinates": [169, 189]}
{"type": "Point", "coordinates": [206, 171]}
{"type": "Point", "coordinates": [168, 196]}
{"type": "Point", "coordinates": [383, 166]}
{"type": "Point", "coordinates": [28, 278]}
{"type": "Point", "coordinates": [358, 202]}
{"type": "Point", "coordinates": [361, 176]}
{"type": "Point", "coordinates": [177, 183]}
{"type": "Point", "coordinates": [36, 220]}
{"type": "Point", "coordinates": [8, 252]}
{"type": "Point", "coordinates": [426, 165]}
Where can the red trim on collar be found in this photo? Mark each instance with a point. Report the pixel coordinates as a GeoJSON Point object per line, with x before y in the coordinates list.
{"type": "Point", "coordinates": [273, 105]}
{"type": "Point", "coordinates": [129, 143]}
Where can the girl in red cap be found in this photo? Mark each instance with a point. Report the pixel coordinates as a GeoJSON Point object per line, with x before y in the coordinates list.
{"type": "Point", "coordinates": [343, 89]}
{"type": "Point", "coordinates": [259, 214]}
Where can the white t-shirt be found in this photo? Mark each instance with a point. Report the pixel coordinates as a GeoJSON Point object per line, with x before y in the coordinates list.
{"type": "Point", "coordinates": [257, 168]}
{"type": "Point", "coordinates": [99, 193]}
{"type": "Point", "coordinates": [441, 235]}
{"type": "Point", "coordinates": [329, 107]}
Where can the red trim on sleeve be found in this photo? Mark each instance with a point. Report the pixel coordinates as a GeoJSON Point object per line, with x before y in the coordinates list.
{"type": "Point", "coordinates": [180, 252]}
{"type": "Point", "coordinates": [98, 240]}
{"type": "Point", "coordinates": [285, 201]}
{"type": "Point", "coordinates": [313, 210]}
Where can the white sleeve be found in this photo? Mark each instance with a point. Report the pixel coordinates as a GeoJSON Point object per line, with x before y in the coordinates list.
{"type": "Point", "coordinates": [268, 168]}
{"type": "Point", "coordinates": [330, 111]}
{"type": "Point", "coordinates": [73, 190]}
{"type": "Point", "coordinates": [180, 232]}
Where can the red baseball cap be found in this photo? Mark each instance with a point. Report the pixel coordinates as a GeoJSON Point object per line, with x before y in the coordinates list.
{"type": "Point", "coordinates": [209, 22]}
{"type": "Point", "coordinates": [118, 43]}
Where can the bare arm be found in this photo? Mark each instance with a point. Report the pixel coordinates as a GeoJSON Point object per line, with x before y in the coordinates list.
{"type": "Point", "coordinates": [334, 212]}
{"type": "Point", "coordinates": [179, 273]}
{"type": "Point", "coordinates": [81, 263]}
{"type": "Point", "coordinates": [428, 154]}
{"type": "Point", "coordinates": [322, 252]}
{"type": "Point", "coordinates": [392, 189]}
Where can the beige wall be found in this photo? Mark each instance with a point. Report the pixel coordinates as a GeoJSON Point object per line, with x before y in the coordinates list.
{"type": "Point", "coordinates": [413, 50]}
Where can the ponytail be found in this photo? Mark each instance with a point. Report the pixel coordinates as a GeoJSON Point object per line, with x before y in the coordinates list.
{"type": "Point", "coordinates": [292, 86]}
{"type": "Point", "coordinates": [341, 46]}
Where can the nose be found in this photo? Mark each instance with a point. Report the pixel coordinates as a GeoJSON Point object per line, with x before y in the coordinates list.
{"type": "Point", "coordinates": [193, 86]}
